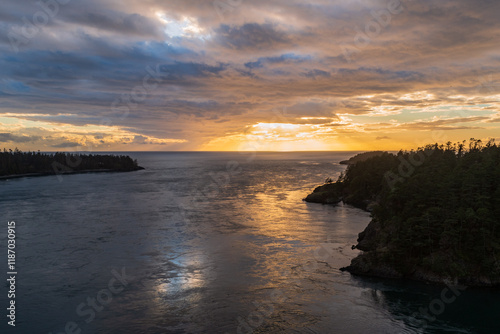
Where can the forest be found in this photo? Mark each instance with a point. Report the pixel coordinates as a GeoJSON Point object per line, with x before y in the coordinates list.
{"type": "Point", "coordinates": [435, 212]}
{"type": "Point", "coordinates": [16, 162]}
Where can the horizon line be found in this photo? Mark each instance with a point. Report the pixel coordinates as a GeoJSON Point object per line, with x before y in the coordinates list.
{"type": "Point", "coordinates": [241, 152]}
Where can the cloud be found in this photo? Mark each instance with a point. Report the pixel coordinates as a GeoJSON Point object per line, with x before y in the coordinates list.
{"type": "Point", "coordinates": [66, 145]}
{"type": "Point", "coordinates": [317, 73]}
{"type": "Point", "coordinates": [251, 36]}
{"type": "Point", "coordinates": [117, 22]}
{"type": "Point", "coordinates": [10, 138]}
{"type": "Point", "coordinates": [212, 75]}
{"type": "Point", "coordinates": [140, 140]}
{"type": "Point", "coordinates": [289, 58]}
{"type": "Point", "coordinates": [143, 140]}
{"type": "Point", "coordinates": [179, 70]}
{"type": "Point", "coordinates": [314, 108]}
{"type": "Point", "coordinates": [445, 124]}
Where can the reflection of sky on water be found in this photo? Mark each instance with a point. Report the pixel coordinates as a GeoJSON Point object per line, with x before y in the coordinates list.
{"type": "Point", "coordinates": [254, 238]}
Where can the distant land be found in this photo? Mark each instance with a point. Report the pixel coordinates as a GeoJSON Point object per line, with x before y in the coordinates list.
{"type": "Point", "coordinates": [15, 164]}
{"type": "Point", "coordinates": [435, 213]}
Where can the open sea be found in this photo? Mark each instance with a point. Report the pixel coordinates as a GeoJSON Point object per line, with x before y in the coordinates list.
{"type": "Point", "coordinates": [204, 242]}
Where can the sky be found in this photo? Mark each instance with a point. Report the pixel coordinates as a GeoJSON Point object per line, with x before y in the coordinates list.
{"type": "Point", "coordinates": [241, 75]}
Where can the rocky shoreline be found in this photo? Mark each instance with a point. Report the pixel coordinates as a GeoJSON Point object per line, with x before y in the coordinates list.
{"type": "Point", "coordinates": [410, 237]}
{"type": "Point", "coordinates": [371, 263]}
{"type": "Point", "coordinates": [326, 194]}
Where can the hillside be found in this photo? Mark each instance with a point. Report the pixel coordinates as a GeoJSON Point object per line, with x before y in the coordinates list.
{"type": "Point", "coordinates": [435, 210]}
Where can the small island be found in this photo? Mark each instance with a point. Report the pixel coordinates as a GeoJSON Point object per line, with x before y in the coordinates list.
{"type": "Point", "coordinates": [435, 213]}
{"type": "Point", "coordinates": [15, 164]}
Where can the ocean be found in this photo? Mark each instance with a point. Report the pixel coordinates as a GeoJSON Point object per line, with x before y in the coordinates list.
{"type": "Point", "coordinates": [208, 242]}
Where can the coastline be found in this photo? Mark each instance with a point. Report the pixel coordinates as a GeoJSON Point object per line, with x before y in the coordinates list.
{"type": "Point", "coordinates": [411, 237]}
{"type": "Point", "coordinates": [85, 171]}
{"type": "Point", "coordinates": [370, 263]}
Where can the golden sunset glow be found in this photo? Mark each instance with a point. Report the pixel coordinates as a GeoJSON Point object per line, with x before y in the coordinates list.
{"type": "Point", "coordinates": [250, 76]}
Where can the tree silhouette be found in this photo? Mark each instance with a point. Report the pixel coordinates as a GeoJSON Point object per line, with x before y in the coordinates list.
{"type": "Point", "coordinates": [17, 162]}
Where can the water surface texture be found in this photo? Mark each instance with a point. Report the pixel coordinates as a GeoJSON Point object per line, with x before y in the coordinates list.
{"type": "Point", "coordinates": [210, 243]}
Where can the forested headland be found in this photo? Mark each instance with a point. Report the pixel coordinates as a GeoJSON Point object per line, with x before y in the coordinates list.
{"type": "Point", "coordinates": [361, 157]}
{"type": "Point", "coordinates": [18, 163]}
{"type": "Point", "coordinates": [435, 212]}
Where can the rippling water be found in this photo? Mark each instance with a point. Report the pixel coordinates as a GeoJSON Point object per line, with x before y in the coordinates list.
{"type": "Point", "coordinates": [210, 243]}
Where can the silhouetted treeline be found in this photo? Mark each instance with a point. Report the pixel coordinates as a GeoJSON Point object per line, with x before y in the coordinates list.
{"type": "Point", "coordinates": [18, 162]}
{"type": "Point", "coordinates": [361, 157]}
{"type": "Point", "coordinates": [436, 211]}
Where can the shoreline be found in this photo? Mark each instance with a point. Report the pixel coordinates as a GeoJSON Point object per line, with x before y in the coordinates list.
{"type": "Point", "coordinates": [376, 252]}
{"type": "Point", "coordinates": [85, 171]}
{"type": "Point", "coordinates": [419, 275]}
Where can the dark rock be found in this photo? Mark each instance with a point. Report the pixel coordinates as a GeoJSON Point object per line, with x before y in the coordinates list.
{"type": "Point", "coordinates": [367, 238]}
{"type": "Point", "coordinates": [367, 265]}
{"type": "Point", "coordinates": [326, 194]}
